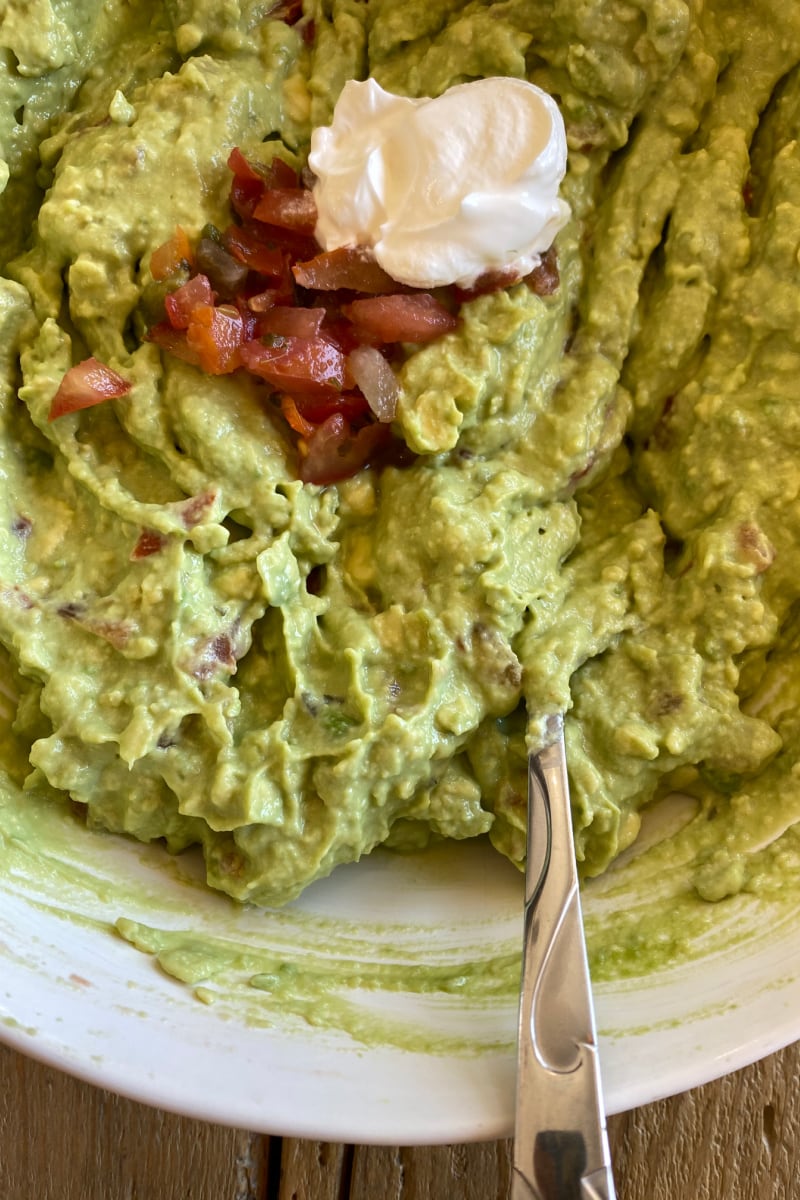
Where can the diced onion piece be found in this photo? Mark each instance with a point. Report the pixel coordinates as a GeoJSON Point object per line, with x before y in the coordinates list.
{"type": "Point", "coordinates": [377, 381]}
{"type": "Point", "coordinates": [87, 383]}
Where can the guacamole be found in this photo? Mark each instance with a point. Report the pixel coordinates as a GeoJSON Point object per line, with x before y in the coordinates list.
{"type": "Point", "coordinates": [598, 515]}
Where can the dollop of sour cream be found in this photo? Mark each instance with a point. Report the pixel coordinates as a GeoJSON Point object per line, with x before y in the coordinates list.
{"type": "Point", "coordinates": [444, 190]}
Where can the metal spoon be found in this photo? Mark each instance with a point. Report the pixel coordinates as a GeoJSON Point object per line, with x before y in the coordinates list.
{"type": "Point", "coordinates": [560, 1142]}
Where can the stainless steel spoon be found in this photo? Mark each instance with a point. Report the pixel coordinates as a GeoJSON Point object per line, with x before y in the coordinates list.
{"type": "Point", "coordinates": [560, 1142]}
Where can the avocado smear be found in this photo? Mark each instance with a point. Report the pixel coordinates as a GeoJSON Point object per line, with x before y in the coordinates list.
{"type": "Point", "coordinates": [601, 517]}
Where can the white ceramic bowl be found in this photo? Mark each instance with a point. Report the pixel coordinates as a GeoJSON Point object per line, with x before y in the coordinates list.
{"type": "Point", "coordinates": [421, 1068]}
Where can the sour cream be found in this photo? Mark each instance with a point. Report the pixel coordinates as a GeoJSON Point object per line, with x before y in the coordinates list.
{"type": "Point", "coordinates": [444, 190]}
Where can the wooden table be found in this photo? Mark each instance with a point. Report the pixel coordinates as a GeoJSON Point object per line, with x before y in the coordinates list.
{"type": "Point", "coordinates": [737, 1139]}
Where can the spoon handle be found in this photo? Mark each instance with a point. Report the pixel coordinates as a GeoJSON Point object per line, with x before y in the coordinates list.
{"type": "Point", "coordinates": [560, 1143]}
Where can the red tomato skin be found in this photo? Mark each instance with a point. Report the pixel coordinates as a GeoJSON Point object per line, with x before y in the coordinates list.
{"type": "Point", "coordinates": [173, 256]}
{"type": "Point", "coordinates": [316, 409]}
{"type": "Point", "coordinates": [173, 341]}
{"type": "Point", "coordinates": [241, 166]}
{"type": "Point", "coordinates": [287, 321]}
{"type": "Point", "coordinates": [351, 267]}
{"type": "Point", "coordinates": [181, 303]}
{"type": "Point", "coordinates": [87, 383]}
{"type": "Point", "coordinates": [252, 251]}
{"type": "Point", "coordinates": [216, 334]}
{"type": "Point", "coordinates": [288, 208]}
{"type": "Point", "coordinates": [401, 318]}
{"type": "Point", "coordinates": [296, 365]}
{"type": "Point", "coordinates": [335, 452]}
{"type": "Point", "coordinates": [297, 245]}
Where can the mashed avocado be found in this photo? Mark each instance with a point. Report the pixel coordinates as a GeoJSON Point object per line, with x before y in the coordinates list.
{"type": "Point", "coordinates": [601, 516]}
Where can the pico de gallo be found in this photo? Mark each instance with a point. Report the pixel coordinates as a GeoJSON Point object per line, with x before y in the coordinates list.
{"type": "Point", "coordinates": [323, 329]}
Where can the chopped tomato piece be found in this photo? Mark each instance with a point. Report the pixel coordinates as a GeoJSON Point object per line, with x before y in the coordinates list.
{"type": "Point", "coordinates": [174, 341]}
{"type": "Point", "coordinates": [216, 334]}
{"type": "Point", "coordinates": [241, 166]}
{"type": "Point", "coordinates": [296, 364]}
{"type": "Point", "coordinates": [351, 267]}
{"type": "Point", "coordinates": [289, 11]}
{"type": "Point", "coordinates": [294, 417]}
{"type": "Point", "coordinates": [262, 302]}
{"type": "Point", "coordinates": [335, 452]}
{"type": "Point", "coordinates": [545, 278]}
{"type": "Point", "coordinates": [254, 252]}
{"type": "Point", "coordinates": [277, 174]}
{"type": "Point", "coordinates": [181, 303]}
{"type": "Point", "coordinates": [490, 281]}
{"type": "Point", "coordinates": [285, 321]}
{"type": "Point", "coordinates": [87, 383]}
{"type": "Point", "coordinates": [196, 508]}
{"type": "Point", "coordinates": [249, 321]}
{"type": "Point", "coordinates": [245, 194]}
{"type": "Point", "coordinates": [316, 409]}
{"type": "Point", "coordinates": [401, 318]}
{"type": "Point", "coordinates": [173, 256]}
{"type": "Point", "coordinates": [150, 541]}
{"type": "Point", "coordinates": [289, 208]}
{"type": "Point", "coordinates": [297, 245]}
{"type": "Point", "coordinates": [341, 331]}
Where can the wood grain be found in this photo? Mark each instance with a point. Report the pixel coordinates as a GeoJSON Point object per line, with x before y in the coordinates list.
{"type": "Point", "coordinates": [736, 1139]}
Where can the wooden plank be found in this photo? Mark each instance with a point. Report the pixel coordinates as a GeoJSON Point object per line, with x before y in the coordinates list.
{"type": "Point", "coordinates": [313, 1171]}
{"type": "Point", "coordinates": [737, 1139]}
{"type": "Point", "coordinates": [478, 1171]}
{"type": "Point", "coordinates": [63, 1140]}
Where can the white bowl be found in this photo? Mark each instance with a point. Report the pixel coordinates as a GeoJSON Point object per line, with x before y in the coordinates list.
{"type": "Point", "coordinates": [364, 1062]}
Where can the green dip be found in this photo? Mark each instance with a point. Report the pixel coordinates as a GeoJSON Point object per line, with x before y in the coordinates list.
{"type": "Point", "coordinates": [601, 518]}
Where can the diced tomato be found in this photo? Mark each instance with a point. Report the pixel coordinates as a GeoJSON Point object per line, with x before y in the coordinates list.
{"type": "Point", "coordinates": [216, 334]}
{"type": "Point", "coordinates": [245, 194]}
{"type": "Point", "coordinates": [351, 267]}
{"type": "Point", "coordinates": [87, 383]}
{"type": "Point", "coordinates": [335, 452]}
{"type": "Point", "coordinates": [545, 278]}
{"type": "Point", "coordinates": [181, 303]}
{"type": "Point", "coordinates": [173, 341]}
{"type": "Point", "coordinates": [275, 174]}
{"type": "Point", "coordinates": [241, 166]}
{"type": "Point", "coordinates": [286, 321]}
{"type": "Point", "coordinates": [262, 302]}
{"type": "Point", "coordinates": [341, 331]}
{"type": "Point", "coordinates": [401, 318]}
{"type": "Point", "coordinates": [289, 11]}
{"type": "Point", "coordinates": [254, 252]}
{"type": "Point", "coordinates": [297, 245]}
{"type": "Point", "coordinates": [289, 208]}
{"type": "Point", "coordinates": [484, 285]}
{"type": "Point", "coordinates": [249, 321]}
{"type": "Point", "coordinates": [173, 256]}
{"type": "Point", "coordinates": [196, 508]}
{"type": "Point", "coordinates": [150, 541]}
{"type": "Point", "coordinates": [294, 418]}
{"type": "Point", "coordinates": [316, 409]}
{"type": "Point", "coordinates": [296, 364]}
